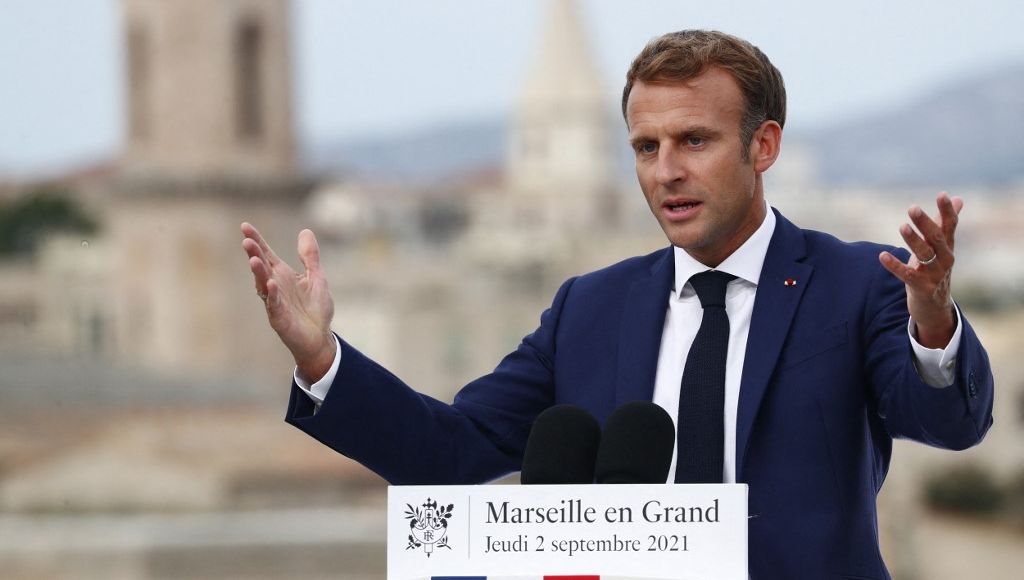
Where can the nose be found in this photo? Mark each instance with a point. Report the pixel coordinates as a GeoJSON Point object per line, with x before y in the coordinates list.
{"type": "Point", "coordinates": [670, 166]}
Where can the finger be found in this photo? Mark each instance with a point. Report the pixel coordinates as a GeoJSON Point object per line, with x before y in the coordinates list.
{"type": "Point", "coordinates": [958, 203]}
{"type": "Point", "coordinates": [273, 295]}
{"type": "Point", "coordinates": [309, 250]}
{"type": "Point", "coordinates": [264, 271]}
{"type": "Point", "coordinates": [260, 273]}
{"type": "Point", "coordinates": [918, 247]}
{"type": "Point", "coordinates": [895, 266]}
{"type": "Point", "coordinates": [932, 234]}
{"type": "Point", "coordinates": [252, 249]}
{"type": "Point", "coordinates": [949, 209]}
{"type": "Point", "coordinates": [253, 234]}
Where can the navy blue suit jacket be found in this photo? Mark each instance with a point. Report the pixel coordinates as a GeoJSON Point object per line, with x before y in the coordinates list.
{"type": "Point", "coordinates": [827, 383]}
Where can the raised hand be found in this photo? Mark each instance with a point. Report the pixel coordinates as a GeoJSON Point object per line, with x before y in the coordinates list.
{"type": "Point", "coordinates": [299, 306]}
{"type": "Point", "coordinates": [927, 274]}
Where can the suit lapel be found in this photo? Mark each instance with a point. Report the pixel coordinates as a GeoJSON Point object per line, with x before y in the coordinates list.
{"type": "Point", "coordinates": [643, 320]}
{"type": "Point", "coordinates": [782, 284]}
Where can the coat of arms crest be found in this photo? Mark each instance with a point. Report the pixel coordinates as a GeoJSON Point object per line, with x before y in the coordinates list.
{"type": "Point", "coordinates": [428, 527]}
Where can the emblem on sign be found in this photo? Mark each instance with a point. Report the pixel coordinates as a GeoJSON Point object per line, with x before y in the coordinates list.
{"type": "Point", "coordinates": [428, 527]}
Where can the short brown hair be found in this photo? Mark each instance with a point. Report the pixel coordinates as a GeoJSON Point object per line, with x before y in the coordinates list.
{"type": "Point", "coordinates": [679, 56]}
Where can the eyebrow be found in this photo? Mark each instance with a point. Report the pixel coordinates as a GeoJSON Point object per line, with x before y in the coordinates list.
{"type": "Point", "coordinates": [696, 130]}
{"type": "Point", "coordinates": [641, 138]}
{"type": "Point", "coordinates": [705, 130]}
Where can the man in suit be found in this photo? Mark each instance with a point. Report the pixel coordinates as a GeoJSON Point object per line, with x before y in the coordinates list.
{"type": "Point", "coordinates": [833, 348]}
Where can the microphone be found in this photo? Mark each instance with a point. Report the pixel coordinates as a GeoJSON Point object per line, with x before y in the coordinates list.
{"type": "Point", "coordinates": [637, 446]}
{"type": "Point", "coordinates": [562, 446]}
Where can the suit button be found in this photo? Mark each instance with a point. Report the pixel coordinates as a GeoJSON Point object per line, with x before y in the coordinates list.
{"type": "Point", "coordinates": [972, 388]}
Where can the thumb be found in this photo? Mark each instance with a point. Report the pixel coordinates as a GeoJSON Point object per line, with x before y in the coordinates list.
{"type": "Point", "coordinates": [309, 250]}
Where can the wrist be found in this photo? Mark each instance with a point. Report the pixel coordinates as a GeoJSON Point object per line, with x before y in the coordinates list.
{"type": "Point", "coordinates": [936, 333]}
{"type": "Point", "coordinates": [312, 368]}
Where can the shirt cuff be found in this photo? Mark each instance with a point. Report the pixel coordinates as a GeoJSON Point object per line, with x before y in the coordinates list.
{"type": "Point", "coordinates": [936, 366]}
{"type": "Point", "coordinates": [318, 390]}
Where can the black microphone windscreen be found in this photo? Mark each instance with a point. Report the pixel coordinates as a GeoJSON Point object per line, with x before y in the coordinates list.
{"type": "Point", "coordinates": [562, 446]}
{"type": "Point", "coordinates": [637, 446]}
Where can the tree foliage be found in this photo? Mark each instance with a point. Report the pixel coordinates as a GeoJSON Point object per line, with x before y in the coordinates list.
{"type": "Point", "coordinates": [27, 220]}
{"type": "Point", "coordinates": [965, 489]}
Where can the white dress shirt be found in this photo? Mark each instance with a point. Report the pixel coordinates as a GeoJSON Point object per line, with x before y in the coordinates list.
{"type": "Point", "coordinates": [935, 366]}
{"type": "Point", "coordinates": [683, 320]}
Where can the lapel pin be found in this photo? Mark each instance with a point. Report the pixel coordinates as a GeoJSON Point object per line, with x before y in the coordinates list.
{"type": "Point", "coordinates": [790, 282]}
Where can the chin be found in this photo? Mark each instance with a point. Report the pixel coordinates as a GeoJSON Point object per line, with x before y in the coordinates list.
{"type": "Point", "coordinates": [684, 239]}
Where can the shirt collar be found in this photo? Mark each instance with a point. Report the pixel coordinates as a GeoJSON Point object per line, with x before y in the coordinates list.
{"type": "Point", "coordinates": [745, 263]}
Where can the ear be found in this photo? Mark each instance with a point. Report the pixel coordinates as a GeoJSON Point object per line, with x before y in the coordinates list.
{"type": "Point", "coordinates": [765, 146]}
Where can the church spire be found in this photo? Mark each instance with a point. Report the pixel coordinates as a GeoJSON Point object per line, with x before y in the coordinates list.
{"type": "Point", "coordinates": [563, 69]}
{"type": "Point", "coordinates": [561, 154]}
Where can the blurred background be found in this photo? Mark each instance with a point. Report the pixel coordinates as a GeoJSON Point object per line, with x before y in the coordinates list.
{"type": "Point", "coordinates": [458, 160]}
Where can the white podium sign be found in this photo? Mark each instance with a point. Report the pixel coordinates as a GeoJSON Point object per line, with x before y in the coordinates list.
{"type": "Point", "coordinates": [682, 532]}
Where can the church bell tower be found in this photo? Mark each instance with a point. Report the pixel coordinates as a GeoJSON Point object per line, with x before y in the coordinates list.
{"type": "Point", "coordinates": [209, 143]}
{"type": "Point", "coordinates": [561, 156]}
{"type": "Point", "coordinates": [208, 87]}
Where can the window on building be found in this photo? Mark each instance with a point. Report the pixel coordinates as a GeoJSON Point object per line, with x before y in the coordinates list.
{"type": "Point", "coordinates": [249, 80]}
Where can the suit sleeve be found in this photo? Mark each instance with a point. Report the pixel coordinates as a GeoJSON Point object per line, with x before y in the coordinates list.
{"type": "Point", "coordinates": [372, 416]}
{"type": "Point", "coordinates": [954, 417]}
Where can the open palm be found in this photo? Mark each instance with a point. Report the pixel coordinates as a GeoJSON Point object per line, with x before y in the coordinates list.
{"type": "Point", "coordinates": [299, 306]}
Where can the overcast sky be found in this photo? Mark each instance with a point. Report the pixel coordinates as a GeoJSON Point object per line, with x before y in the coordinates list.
{"type": "Point", "coordinates": [385, 66]}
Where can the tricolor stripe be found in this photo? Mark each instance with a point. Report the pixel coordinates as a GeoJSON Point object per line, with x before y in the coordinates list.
{"type": "Point", "coordinates": [546, 577]}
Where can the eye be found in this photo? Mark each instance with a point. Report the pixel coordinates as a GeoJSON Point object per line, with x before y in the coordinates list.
{"type": "Point", "coordinates": [646, 147]}
{"type": "Point", "coordinates": [695, 141]}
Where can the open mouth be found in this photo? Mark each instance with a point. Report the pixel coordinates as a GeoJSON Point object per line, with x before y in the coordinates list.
{"type": "Point", "coordinates": [681, 209]}
{"type": "Point", "coordinates": [682, 206]}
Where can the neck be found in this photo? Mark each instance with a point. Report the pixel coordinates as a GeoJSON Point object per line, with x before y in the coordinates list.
{"type": "Point", "coordinates": [714, 254]}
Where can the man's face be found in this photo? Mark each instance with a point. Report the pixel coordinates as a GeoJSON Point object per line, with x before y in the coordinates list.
{"type": "Point", "coordinates": [704, 191]}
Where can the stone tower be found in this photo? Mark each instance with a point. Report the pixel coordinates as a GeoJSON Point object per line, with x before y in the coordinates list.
{"type": "Point", "coordinates": [561, 156]}
{"type": "Point", "coordinates": [208, 87]}
{"type": "Point", "coordinates": [209, 144]}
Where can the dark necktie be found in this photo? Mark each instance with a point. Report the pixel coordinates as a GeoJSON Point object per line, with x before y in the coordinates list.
{"type": "Point", "coordinates": [700, 440]}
